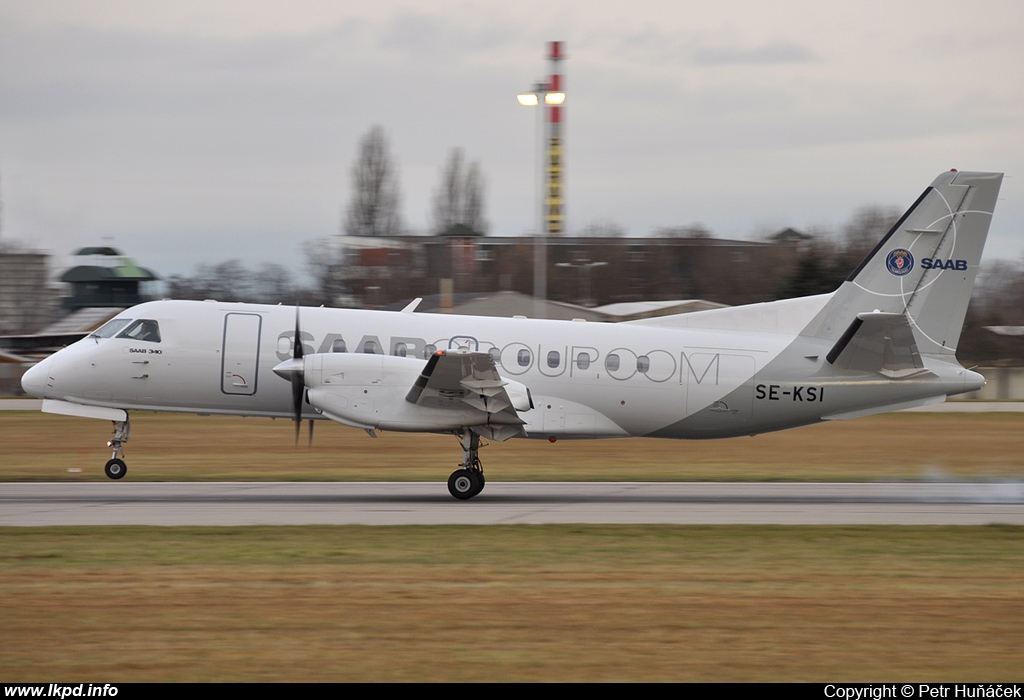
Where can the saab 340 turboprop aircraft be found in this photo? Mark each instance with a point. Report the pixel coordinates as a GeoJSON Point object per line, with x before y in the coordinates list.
{"type": "Point", "coordinates": [884, 341]}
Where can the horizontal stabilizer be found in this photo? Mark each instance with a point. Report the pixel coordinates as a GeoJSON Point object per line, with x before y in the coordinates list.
{"type": "Point", "coordinates": [878, 342]}
{"type": "Point", "coordinates": [886, 408]}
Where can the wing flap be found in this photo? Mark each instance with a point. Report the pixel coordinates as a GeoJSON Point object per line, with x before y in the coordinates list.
{"type": "Point", "coordinates": [455, 377]}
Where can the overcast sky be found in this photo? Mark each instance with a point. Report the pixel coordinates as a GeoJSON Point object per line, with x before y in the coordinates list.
{"type": "Point", "coordinates": [200, 131]}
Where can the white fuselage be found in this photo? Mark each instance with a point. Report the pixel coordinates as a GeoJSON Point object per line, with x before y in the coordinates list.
{"type": "Point", "coordinates": [585, 379]}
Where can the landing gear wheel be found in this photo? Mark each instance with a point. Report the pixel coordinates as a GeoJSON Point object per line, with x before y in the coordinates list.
{"type": "Point", "coordinates": [115, 469]}
{"type": "Point", "coordinates": [465, 483]}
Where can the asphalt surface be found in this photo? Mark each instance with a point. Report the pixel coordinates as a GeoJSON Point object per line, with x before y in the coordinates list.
{"type": "Point", "coordinates": [26, 404]}
{"type": "Point", "coordinates": [419, 503]}
{"type": "Point", "coordinates": [428, 503]}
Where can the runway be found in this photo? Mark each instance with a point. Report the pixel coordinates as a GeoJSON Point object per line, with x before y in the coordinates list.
{"type": "Point", "coordinates": [505, 503]}
{"type": "Point", "coordinates": [30, 404]}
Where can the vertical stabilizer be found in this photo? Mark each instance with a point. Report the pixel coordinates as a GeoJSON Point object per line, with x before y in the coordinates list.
{"type": "Point", "coordinates": [924, 268]}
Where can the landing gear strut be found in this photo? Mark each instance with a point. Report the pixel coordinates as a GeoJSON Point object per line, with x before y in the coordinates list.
{"type": "Point", "coordinates": [115, 468]}
{"type": "Point", "coordinates": [468, 480]}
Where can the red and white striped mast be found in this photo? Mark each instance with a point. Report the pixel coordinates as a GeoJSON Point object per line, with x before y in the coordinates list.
{"type": "Point", "coordinates": [554, 97]}
{"type": "Point", "coordinates": [550, 94]}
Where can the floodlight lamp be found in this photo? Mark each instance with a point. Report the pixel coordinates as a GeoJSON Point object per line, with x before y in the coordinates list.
{"type": "Point", "coordinates": [528, 99]}
{"type": "Point", "coordinates": [554, 98]}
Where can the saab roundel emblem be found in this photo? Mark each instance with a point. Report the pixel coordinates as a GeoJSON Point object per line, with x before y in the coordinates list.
{"type": "Point", "coordinates": [899, 261]}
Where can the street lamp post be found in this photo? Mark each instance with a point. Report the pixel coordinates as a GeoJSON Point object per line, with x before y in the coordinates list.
{"type": "Point", "coordinates": [550, 94]}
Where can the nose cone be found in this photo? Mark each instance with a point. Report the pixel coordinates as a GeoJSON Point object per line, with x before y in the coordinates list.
{"type": "Point", "coordinates": [37, 379]}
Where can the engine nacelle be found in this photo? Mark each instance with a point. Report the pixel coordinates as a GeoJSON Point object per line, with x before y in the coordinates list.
{"type": "Point", "coordinates": [370, 392]}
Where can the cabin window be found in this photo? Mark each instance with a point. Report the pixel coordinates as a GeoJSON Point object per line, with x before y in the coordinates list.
{"type": "Point", "coordinates": [143, 329]}
{"type": "Point", "coordinates": [554, 359]}
{"type": "Point", "coordinates": [339, 345]}
{"type": "Point", "coordinates": [611, 363]}
{"type": "Point", "coordinates": [524, 358]}
{"type": "Point", "coordinates": [400, 350]}
{"type": "Point", "coordinates": [428, 350]}
{"type": "Point", "coordinates": [583, 361]}
{"type": "Point", "coordinates": [495, 354]}
{"type": "Point", "coordinates": [370, 347]}
{"type": "Point", "coordinates": [643, 363]}
{"type": "Point", "coordinates": [110, 328]}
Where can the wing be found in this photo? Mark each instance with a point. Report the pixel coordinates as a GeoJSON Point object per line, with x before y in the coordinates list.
{"type": "Point", "coordinates": [455, 377]}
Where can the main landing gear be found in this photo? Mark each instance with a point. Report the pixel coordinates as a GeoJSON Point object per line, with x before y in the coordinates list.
{"type": "Point", "coordinates": [115, 468]}
{"type": "Point", "coordinates": [468, 480]}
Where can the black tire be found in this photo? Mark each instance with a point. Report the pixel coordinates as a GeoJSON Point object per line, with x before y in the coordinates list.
{"type": "Point", "coordinates": [463, 484]}
{"type": "Point", "coordinates": [115, 469]}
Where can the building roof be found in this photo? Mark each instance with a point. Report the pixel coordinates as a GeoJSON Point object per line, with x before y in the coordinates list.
{"type": "Point", "coordinates": [95, 273]}
{"type": "Point", "coordinates": [84, 320]}
{"type": "Point", "coordinates": [1006, 330]}
{"type": "Point", "coordinates": [629, 310]}
{"type": "Point", "coordinates": [508, 304]}
{"type": "Point", "coordinates": [98, 250]}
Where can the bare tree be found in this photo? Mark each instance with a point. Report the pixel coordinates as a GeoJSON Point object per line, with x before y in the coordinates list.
{"type": "Point", "coordinates": [373, 210]}
{"type": "Point", "coordinates": [229, 280]}
{"type": "Point", "coordinates": [325, 263]}
{"type": "Point", "coordinates": [473, 211]}
{"type": "Point", "coordinates": [460, 198]}
{"type": "Point", "coordinates": [867, 227]}
{"type": "Point", "coordinates": [272, 284]}
{"type": "Point", "coordinates": [603, 228]}
{"type": "Point", "coordinates": [690, 231]}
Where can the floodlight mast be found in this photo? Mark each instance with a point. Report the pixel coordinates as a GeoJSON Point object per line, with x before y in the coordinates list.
{"type": "Point", "coordinates": [552, 209]}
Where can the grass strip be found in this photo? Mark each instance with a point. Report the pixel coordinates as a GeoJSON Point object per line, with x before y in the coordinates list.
{"type": "Point", "coordinates": [520, 603]}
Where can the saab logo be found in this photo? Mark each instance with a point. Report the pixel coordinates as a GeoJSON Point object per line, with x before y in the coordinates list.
{"type": "Point", "coordinates": [899, 261]}
{"type": "Point", "coordinates": [938, 264]}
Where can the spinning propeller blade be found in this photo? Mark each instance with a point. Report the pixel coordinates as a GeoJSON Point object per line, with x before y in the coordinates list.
{"type": "Point", "coordinates": [298, 379]}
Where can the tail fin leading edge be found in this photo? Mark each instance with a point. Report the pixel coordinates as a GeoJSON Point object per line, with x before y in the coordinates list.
{"type": "Point", "coordinates": [924, 268]}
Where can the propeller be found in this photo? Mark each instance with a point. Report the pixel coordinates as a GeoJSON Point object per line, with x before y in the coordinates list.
{"type": "Point", "coordinates": [293, 370]}
{"type": "Point", "coordinates": [298, 378]}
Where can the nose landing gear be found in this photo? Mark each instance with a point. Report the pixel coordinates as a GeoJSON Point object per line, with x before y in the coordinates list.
{"type": "Point", "coordinates": [115, 468]}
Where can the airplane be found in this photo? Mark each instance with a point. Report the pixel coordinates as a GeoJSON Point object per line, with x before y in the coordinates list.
{"type": "Point", "coordinates": [884, 341]}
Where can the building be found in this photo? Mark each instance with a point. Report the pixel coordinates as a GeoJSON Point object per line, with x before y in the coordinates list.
{"type": "Point", "coordinates": [34, 322]}
{"type": "Point", "coordinates": [102, 277]}
{"type": "Point", "coordinates": [588, 271]}
{"type": "Point", "coordinates": [27, 301]}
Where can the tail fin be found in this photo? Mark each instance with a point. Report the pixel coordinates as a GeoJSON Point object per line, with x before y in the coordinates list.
{"type": "Point", "coordinates": [923, 269]}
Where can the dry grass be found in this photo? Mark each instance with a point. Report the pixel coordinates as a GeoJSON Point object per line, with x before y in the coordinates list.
{"type": "Point", "coordinates": [586, 603]}
{"type": "Point", "coordinates": [512, 603]}
{"type": "Point", "coordinates": [36, 446]}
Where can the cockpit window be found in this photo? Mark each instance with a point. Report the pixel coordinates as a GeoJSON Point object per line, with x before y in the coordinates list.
{"type": "Point", "coordinates": [143, 329]}
{"type": "Point", "coordinates": [110, 328]}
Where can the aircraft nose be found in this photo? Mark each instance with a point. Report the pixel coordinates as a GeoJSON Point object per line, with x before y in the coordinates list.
{"type": "Point", "coordinates": [37, 379]}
